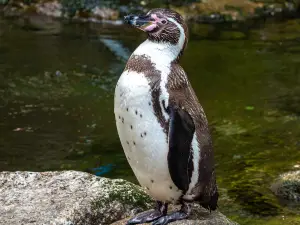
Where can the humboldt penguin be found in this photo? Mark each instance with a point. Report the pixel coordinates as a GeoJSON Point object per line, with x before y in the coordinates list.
{"type": "Point", "coordinates": [161, 125]}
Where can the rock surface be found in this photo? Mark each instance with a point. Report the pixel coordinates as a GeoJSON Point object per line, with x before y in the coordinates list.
{"type": "Point", "coordinates": [235, 10]}
{"type": "Point", "coordinates": [199, 216]}
{"type": "Point", "coordinates": [77, 198]}
{"type": "Point", "coordinates": [287, 186]}
{"type": "Point", "coordinates": [67, 197]}
{"type": "Point", "coordinates": [60, 9]}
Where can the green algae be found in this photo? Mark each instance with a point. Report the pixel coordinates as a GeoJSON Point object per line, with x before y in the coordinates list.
{"type": "Point", "coordinates": [139, 197]}
{"type": "Point", "coordinates": [125, 193]}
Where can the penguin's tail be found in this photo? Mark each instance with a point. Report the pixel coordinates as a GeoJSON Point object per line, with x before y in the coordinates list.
{"type": "Point", "coordinates": [211, 202]}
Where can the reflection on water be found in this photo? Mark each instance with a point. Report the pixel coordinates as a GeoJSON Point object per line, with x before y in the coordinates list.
{"type": "Point", "coordinates": [56, 103]}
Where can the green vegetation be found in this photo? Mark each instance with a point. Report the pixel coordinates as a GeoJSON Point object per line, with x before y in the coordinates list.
{"type": "Point", "coordinates": [287, 186]}
{"type": "Point", "coordinates": [124, 192]}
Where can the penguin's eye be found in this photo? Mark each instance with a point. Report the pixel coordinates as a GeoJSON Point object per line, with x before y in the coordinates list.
{"type": "Point", "coordinates": [163, 21]}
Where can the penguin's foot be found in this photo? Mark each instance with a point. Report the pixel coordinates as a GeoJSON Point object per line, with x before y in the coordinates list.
{"type": "Point", "coordinates": [183, 213]}
{"type": "Point", "coordinates": [146, 217]}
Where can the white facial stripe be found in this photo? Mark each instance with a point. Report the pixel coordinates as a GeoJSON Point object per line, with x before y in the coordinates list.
{"type": "Point", "coordinates": [182, 34]}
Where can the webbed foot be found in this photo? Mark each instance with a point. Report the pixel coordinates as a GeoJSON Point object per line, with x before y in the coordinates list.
{"type": "Point", "coordinates": [183, 213]}
{"type": "Point", "coordinates": [146, 217]}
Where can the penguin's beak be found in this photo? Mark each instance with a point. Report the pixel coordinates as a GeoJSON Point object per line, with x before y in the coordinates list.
{"type": "Point", "coordinates": [145, 23]}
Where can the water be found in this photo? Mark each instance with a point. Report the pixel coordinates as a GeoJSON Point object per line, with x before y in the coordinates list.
{"type": "Point", "coordinates": [56, 103]}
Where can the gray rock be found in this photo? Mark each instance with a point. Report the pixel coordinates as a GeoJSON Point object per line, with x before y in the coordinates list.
{"type": "Point", "coordinates": [50, 8]}
{"type": "Point", "coordinates": [287, 186]}
{"type": "Point", "coordinates": [199, 216]}
{"type": "Point", "coordinates": [77, 198]}
{"type": "Point", "coordinates": [66, 197]}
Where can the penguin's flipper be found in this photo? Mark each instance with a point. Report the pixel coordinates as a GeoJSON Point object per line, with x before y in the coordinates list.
{"type": "Point", "coordinates": [180, 156]}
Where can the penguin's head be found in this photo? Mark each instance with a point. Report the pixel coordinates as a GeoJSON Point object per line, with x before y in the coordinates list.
{"type": "Point", "coordinates": [161, 25]}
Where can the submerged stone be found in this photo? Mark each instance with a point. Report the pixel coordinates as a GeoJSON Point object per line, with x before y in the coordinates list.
{"type": "Point", "coordinates": [287, 186]}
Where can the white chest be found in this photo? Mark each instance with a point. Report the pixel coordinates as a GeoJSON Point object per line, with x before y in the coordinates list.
{"type": "Point", "coordinates": [142, 137]}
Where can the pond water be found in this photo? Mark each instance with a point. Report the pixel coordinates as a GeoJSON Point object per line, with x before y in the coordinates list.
{"type": "Point", "coordinates": [57, 83]}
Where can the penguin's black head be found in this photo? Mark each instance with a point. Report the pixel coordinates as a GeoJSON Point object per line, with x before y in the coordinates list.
{"type": "Point", "coordinates": [161, 25]}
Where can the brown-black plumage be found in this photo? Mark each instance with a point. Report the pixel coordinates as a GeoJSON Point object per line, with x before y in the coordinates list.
{"type": "Point", "coordinates": [177, 166]}
{"type": "Point", "coordinates": [183, 98]}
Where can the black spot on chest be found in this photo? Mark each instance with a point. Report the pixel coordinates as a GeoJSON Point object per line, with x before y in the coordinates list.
{"type": "Point", "coordinates": [142, 64]}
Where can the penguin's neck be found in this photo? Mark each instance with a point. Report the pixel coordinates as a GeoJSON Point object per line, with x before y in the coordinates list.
{"type": "Point", "coordinates": [158, 53]}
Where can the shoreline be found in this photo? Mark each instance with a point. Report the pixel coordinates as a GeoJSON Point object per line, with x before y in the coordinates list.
{"type": "Point", "coordinates": [204, 12]}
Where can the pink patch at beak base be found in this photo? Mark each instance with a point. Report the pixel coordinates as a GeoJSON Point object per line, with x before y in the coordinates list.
{"type": "Point", "coordinates": [152, 24]}
{"type": "Point", "coordinates": [150, 27]}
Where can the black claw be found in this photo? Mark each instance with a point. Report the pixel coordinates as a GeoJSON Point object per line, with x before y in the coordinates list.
{"type": "Point", "coordinates": [183, 213]}
{"type": "Point", "coordinates": [146, 217]}
{"type": "Point", "coordinates": [170, 218]}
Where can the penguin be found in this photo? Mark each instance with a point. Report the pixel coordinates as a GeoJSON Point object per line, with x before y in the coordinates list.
{"type": "Point", "coordinates": [161, 125]}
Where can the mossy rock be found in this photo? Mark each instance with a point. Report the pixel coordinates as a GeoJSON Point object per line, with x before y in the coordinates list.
{"type": "Point", "coordinates": [287, 186]}
{"type": "Point", "coordinates": [67, 197]}
{"type": "Point", "coordinates": [123, 192]}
